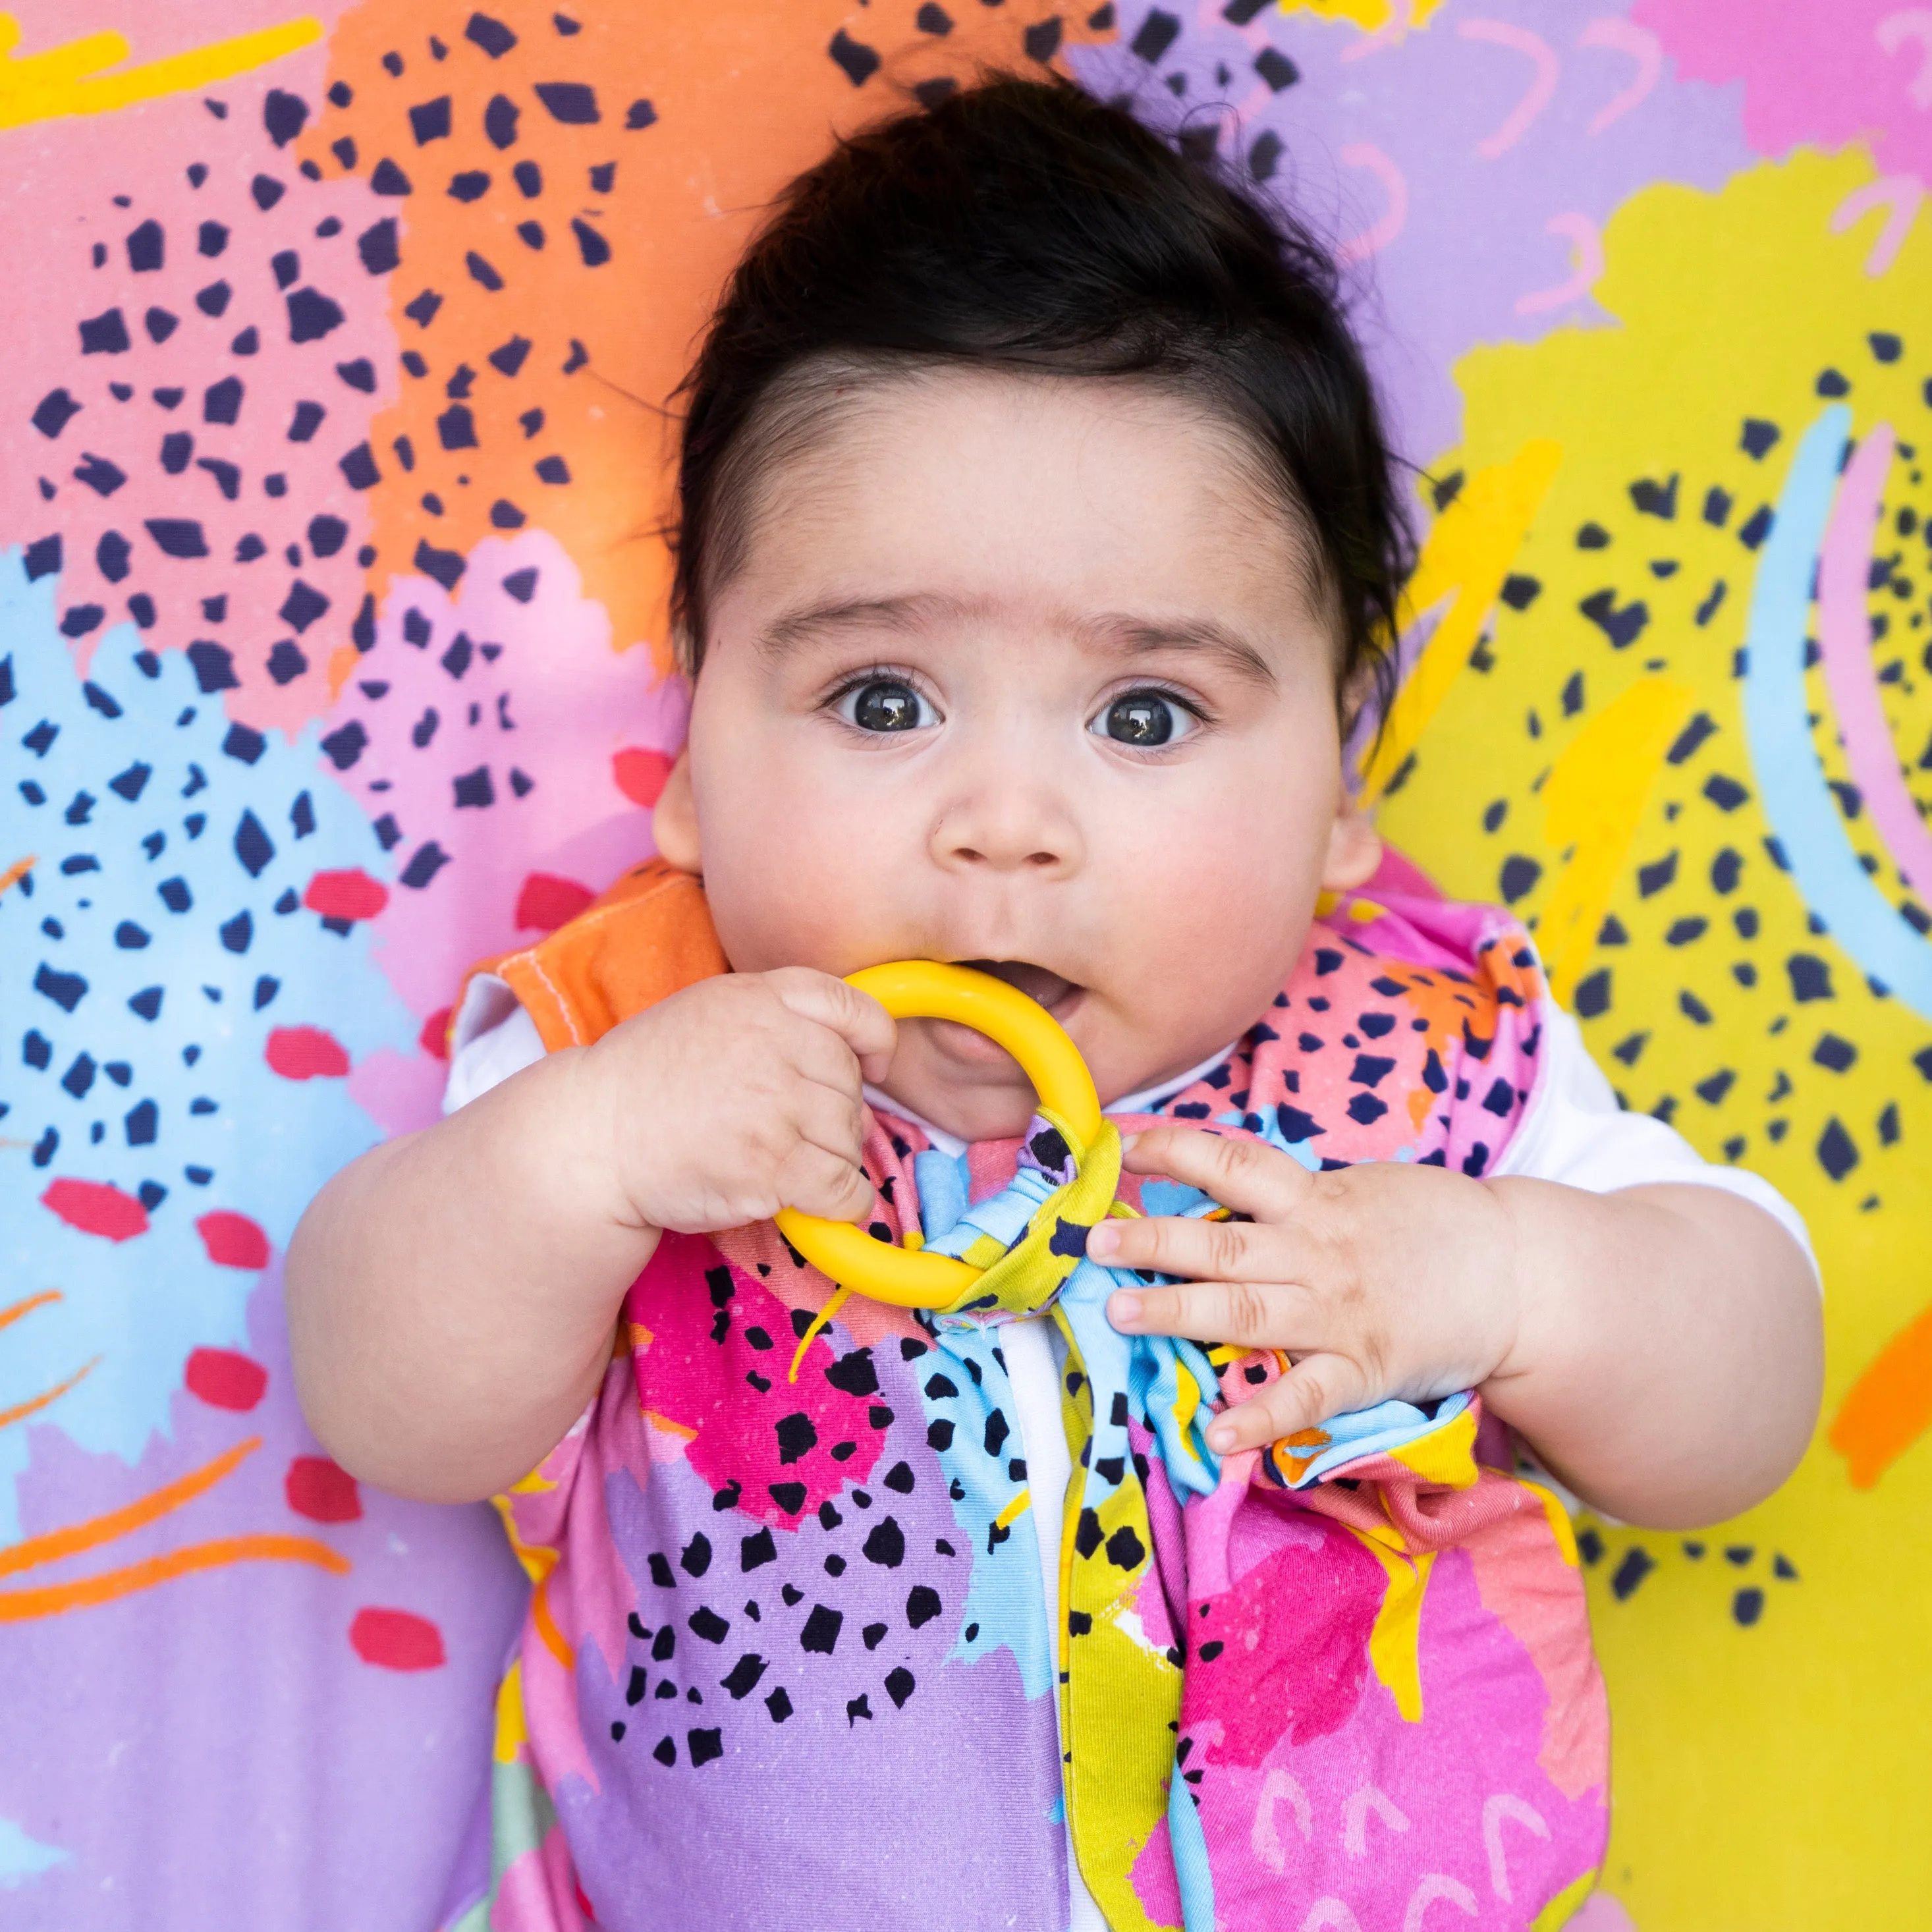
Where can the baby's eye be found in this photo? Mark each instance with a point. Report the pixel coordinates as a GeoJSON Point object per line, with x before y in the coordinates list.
{"type": "Point", "coordinates": [885, 704]}
{"type": "Point", "coordinates": [1143, 719]}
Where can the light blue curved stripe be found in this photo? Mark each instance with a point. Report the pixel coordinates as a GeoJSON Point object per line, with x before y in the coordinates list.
{"type": "Point", "coordinates": [1791, 780]}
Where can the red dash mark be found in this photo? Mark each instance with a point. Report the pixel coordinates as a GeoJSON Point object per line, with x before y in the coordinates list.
{"type": "Point", "coordinates": [434, 1038]}
{"type": "Point", "coordinates": [306, 1052]}
{"type": "Point", "coordinates": [640, 774]}
{"type": "Point", "coordinates": [397, 1640]}
{"type": "Point", "coordinates": [349, 895]}
{"type": "Point", "coordinates": [547, 902]}
{"type": "Point", "coordinates": [321, 1490]}
{"type": "Point", "coordinates": [224, 1379]}
{"type": "Point", "coordinates": [95, 1207]}
{"type": "Point", "coordinates": [232, 1241]}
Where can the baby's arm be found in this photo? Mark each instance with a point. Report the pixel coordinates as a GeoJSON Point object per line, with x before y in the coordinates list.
{"type": "Point", "coordinates": [1660, 1348]}
{"type": "Point", "coordinates": [452, 1294]}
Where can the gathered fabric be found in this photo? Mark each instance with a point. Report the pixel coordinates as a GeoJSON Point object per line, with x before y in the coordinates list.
{"type": "Point", "coordinates": [788, 1659]}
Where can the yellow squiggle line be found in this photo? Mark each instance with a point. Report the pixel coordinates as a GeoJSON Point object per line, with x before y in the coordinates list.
{"type": "Point", "coordinates": [67, 79]}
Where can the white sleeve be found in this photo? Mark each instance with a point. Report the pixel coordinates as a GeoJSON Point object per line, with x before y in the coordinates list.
{"type": "Point", "coordinates": [1575, 1133]}
{"type": "Point", "coordinates": [491, 1038]}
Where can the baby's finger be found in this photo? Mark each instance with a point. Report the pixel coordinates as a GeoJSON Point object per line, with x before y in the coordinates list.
{"type": "Point", "coordinates": [1267, 1315]}
{"type": "Point", "coordinates": [815, 1182]}
{"type": "Point", "coordinates": [1316, 1387]}
{"type": "Point", "coordinates": [1203, 1250]}
{"type": "Point", "coordinates": [857, 1018]}
{"type": "Point", "coordinates": [829, 1119]}
{"type": "Point", "coordinates": [1249, 1176]}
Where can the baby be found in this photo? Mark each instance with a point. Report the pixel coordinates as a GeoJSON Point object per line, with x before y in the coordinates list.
{"type": "Point", "coordinates": [1038, 545]}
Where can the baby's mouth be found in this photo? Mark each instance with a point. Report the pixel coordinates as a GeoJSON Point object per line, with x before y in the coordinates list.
{"type": "Point", "coordinates": [1053, 991]}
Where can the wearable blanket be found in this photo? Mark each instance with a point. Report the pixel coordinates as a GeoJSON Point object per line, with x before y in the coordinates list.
{"type": "Point", "coordinates": [759, 1597]}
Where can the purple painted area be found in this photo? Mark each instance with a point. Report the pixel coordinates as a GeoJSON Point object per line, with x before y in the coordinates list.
{"type": "Point", "coordinates": [1363, 132]}
{"type": "Point", "coordinates": [921, 1792]}
{"type": "Point", "coordinates": [259, 1745]}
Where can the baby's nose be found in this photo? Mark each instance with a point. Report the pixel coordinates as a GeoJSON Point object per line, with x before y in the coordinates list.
{"type": "Point", "coordinates": [1008, 830]}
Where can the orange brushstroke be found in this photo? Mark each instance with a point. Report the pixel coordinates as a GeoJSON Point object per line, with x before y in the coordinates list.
{"type": "Point", "coordinates": [114, 1524]}
{"type": "Point", "coordinates": [17, 872]}
{"type": "Point", "coordinates": [1889, 1407]}
{"type": "Point", "coordinates": [8, 1315]}
{"type": "Point", "coordinates": [22, 1606]}
{"type": "Point", "coordinates": [745, 97]}
{"type": "Point", "coordinates": [21, 1410]}
{"type": "Point", "coordinates": [554, 1641]}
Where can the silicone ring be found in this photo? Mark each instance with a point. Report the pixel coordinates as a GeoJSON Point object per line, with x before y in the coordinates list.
{"type": "Point", "coordinates": [923, 989]}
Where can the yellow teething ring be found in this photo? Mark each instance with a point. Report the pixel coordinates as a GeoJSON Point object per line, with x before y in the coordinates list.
{"type": "Point", "coordinates": [922, 989]}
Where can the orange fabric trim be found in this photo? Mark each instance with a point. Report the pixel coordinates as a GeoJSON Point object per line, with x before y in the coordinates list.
{"type": "Point", "coordinates": [649, 936]}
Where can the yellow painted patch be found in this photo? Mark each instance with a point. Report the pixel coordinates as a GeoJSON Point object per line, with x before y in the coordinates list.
{"type": "Point", "coordinates": [71, 79]}
{"type": "Point", "coordinates": [512, 1729]}
{"type": "Point", "coordinates": [1727, 307]}
{"type": "Point", "coordinates": [1592, 806]}
{"type": "Point", "coordinates": [1561, 1527]}
{"type": "Point", "coordinates": [1371, 15]}
{"type": "Point", "coordinates": [1565, 1905]}
{"type": "Point", "coordinates": [1014, 1511]}
{"type": "Point", "coordinates": [1445, 1455]}
{"type": "Point", "coordinates": [1398, 1627]}
{"type": "Point", "coordinates": [1462, 565]}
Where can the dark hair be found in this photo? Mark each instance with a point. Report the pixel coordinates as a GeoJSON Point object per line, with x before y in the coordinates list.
{"type": "Point", "coordinates": [1022, 225]}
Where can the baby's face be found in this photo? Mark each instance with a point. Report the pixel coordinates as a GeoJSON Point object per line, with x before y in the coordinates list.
{"type": "Point", "coordinates": [1024, 674]}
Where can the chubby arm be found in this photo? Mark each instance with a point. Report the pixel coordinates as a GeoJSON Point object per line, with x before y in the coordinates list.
{"type": "Point", "coordinates": [452, 1294]}
{"type": "Point", "coordinates": [1660, 1348]}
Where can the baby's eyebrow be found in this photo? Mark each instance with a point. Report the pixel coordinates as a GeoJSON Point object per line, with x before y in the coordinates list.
{"type": "Point", "coordinates": [802, 627]}
{"type": "Point", "coordinates": [1123, 631]}
{"type": "Point", "coordinates": [1112, 631]}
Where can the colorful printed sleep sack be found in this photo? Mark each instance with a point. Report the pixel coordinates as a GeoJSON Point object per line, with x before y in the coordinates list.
{"type": "Point", "coordinates": [787, 1661]}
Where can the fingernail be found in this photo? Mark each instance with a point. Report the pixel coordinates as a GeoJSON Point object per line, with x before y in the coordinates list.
{"type": "Point", "coordinates": [1103, 1238]}
{"type": "Point", "coordinates": [1222, 1437]}
{"type": "Point", "coordinates": [1123, 1311]}
{"type": "Point", "coordinates": [1128, 1141]}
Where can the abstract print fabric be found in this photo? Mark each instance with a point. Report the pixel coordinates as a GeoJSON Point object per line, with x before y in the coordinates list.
{"type": "Point", "coordinates": [788, 1657]}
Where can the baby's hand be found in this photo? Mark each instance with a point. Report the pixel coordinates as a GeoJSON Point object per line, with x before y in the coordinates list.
{"type": "Point", "coordinates": [1384, 1280]}
{"type": "Point", "coordinates": [740, 1096]}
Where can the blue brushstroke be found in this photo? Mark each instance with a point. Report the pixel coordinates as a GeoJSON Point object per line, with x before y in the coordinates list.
{"type": "Point", "coordinates": [1791, 780]}
{"type": "Point", "coordinates": [23, 1859]}
{"type": "Point", "coordinates": [175, 1094]}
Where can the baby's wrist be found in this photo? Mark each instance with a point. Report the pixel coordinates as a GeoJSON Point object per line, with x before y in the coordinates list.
{"type": "Point", "coordinates": [574, 1129]}
{"type": "Point", "coordinates": [1549, 1332]}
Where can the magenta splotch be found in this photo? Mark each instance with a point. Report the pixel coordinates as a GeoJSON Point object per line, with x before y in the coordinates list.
{"type": "Point", "coordinates": [1483, 1702]}
{"type": "Point", "coordinates": [1294, 1632]}
{"type": "Point", "coordinates": [710, 1349]}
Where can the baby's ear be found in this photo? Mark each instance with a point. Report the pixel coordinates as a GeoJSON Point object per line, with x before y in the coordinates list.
{"type": "Point", "coordinates": [674, 820]}
{"type": "Point", "coordinates": [1355, 851]}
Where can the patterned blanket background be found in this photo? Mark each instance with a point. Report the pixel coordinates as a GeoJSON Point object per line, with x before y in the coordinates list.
{"type": "Point", "coordinates": [332, 656]}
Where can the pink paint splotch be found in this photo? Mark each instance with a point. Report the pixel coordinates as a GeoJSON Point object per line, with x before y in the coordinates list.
{"type": "Point", "coordinates": [1824, 71]}
{"type": "Point", "coordinates": [1448, 1779]}
{"type": "Point", "coordinates": [480, 733]}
